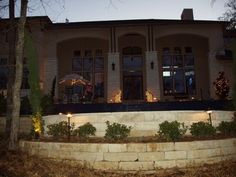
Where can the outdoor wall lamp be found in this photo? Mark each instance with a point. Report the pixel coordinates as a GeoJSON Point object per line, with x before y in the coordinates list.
{"type": "Point", "coordinates": [152, 65]}
{"type": "Point", "coordinates": [113, 66]}
{"type": "Point", "coordinates": [209, 113]}
{"type": "Point", "coordinates": [69, 115]}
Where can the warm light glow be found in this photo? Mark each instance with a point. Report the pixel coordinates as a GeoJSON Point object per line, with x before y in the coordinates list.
{"type": "Point", "coordinates": [117, 98]}
{"type": "Point", "coordinates": [209, 112]}
{"type": "Point", "coordinates": [69, 115]}
{"type": "Point", "coordinates": [60, 113]}
{"type": "Point", "coordinates": [150, 97]}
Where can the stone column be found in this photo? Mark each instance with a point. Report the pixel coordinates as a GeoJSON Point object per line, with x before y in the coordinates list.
{"type": "Point", "coordinates": [152, 75]}
{"type": "Point", "coordinates": [113, 76]}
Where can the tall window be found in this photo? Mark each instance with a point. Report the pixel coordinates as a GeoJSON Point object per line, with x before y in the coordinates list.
{"type": "Point", "coordinates": [178, 71]}
{"type": "Point", "coordinates": [90, 65]}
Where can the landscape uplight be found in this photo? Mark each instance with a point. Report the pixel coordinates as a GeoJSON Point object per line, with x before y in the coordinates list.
{"type": "Point", "coordinates": [69, 115]}
{"type": "Point", "coordinates": [209, 112]}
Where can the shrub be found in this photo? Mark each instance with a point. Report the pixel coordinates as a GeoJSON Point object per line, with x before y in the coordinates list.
{"type": "Point", "coordinates": [37, 123]}
{"type": "Point", "coordinates": [117, 131]}
{"type": "Point", "coordinates": [202, 129]}
{"type": "Point", "coordinates": [171, 131]}
{"type": "Point", "coordinates": [228, 128]}
{"type": "Point", "coordinates": [85, 130]}
{"type": "Point", "coordinates": [60, 129]}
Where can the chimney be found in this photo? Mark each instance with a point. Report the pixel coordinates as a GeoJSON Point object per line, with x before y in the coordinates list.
{"type": "Point", "coordinates": [187, 14]}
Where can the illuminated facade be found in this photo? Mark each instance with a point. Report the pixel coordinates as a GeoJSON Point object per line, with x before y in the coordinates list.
{"type": "Point", "coordinates": [129, 60]}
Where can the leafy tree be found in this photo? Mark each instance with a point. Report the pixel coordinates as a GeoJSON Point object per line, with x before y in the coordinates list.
{"type": "Point", "coordinates": [230, 14]}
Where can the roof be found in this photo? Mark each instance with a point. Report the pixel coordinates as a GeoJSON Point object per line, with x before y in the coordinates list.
{"type": "Point", "coordinates": [136, 22]}
{"type": "Point", "coordinates": [112, 23]}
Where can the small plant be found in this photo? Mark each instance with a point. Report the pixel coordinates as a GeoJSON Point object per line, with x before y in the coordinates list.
{"type": "Point", "coordinates": [117, 131]}
{"type": "Point", "coordinates": [221, 86]}
{"type": "Point", "coordinates": [60, 129]}
{"type": "Point", "coordinates": [171, 131]}
{"type": "Point", "coordinates": [228, 128]}
{"type": "Point", "coordinates": [202, 129]}
{"type": "Point", "coordinates": [37, 123]}
{"type": "Point", "coordinates": [84, 131]}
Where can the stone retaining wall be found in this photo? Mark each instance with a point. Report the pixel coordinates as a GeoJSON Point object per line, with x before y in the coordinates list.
{"type": "Point", "coordinates": [134, 156]}
{"type": "Point", "coordinates": [145, 123]}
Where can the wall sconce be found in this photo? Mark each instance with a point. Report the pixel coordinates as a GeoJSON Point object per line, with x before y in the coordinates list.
{"type": "Point", "coordinates": [209, 113]}
{"type": "Point", "coordinates": [113, 66]}
{"type": "Point", "coordinates": [152, 65]}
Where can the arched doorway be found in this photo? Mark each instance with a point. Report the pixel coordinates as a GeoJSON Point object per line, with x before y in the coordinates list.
{"type": "Point", "coordinates": [132, 72]}
{"type": "Point", "coordinates": [131, 48]}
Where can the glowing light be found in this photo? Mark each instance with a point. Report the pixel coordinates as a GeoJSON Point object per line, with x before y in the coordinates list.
{"type": "Point", "coordinates": [117, 97]}
{"type": "Point", "coordinates": [150, 97]}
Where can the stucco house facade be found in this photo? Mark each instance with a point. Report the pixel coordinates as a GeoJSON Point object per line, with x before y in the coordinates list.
{"type": "Point", "coordinates": [169, 59]}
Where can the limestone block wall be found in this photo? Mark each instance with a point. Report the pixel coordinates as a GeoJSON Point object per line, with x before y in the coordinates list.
{"type": "Point", "coordinates": [133, 156]}
{"type": "Point", "coordinates": [25, 124]}
{"type": "Point", "coordinates": [143, 123]}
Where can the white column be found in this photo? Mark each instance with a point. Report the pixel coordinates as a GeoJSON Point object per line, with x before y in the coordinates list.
{"type": "Point", "coordinates": [113, 76]}
{"type": "Point", "coordinates": [152, 75]}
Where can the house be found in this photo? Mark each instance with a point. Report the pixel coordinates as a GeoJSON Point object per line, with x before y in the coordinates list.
{"type": "Point", "coordinates": [129, 60]}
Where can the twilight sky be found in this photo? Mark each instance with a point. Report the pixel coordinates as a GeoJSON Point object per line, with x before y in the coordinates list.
{"type": "Point", "coordinates": [93, 10]}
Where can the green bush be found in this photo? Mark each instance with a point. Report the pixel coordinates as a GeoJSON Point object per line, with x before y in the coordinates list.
{"type": "Point", "coordinates": [171, 131]}
{"type": "Point", "coordinates": [59, 129]}
{"type": "Point", "coordinates": [202, 129]}
{"type": "Point", "coordinates": [228, 128]}
{"type": "Point", "coordinates": [117, 131]}
{"type": "Point", "coordinates": [85, 130]}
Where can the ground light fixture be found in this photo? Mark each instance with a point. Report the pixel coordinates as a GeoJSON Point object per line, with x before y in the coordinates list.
{"type": "Point", "coordinates": [209, 112]}
{"type": "Point", "coordinates": [68, 115]}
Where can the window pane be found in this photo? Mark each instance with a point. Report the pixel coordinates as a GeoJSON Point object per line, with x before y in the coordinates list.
{"type": "Point", "coordinates": [188, 60]}
{"type": "Point", "coordinates": [190, 82]}
{"type": "Point", "coordinates": [88, 76]}
{"type": "Point", "coordinates": [77, 64]}
{"type": "Point", "coordinates": [99, 85]}
{"type": "Point", "coordinates": [177, 61]}
{"type": "Point", "coordinates": [133, 63]}
{"type": "Point", "coordinates": [88, 64]}
{"type": "Point", "coordinates": [177, 51]}
{"type": "Point", "coordinates": [166, 61]}
{"type": "Point", "coordinates": [179, 81]}
{"type": "Point", "coordinates": [167, 85]}
{"type": "Point", "coordinates": [99, 64]}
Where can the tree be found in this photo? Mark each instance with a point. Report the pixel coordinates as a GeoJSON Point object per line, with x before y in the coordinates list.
{"type": "Point", "coordinates": [11, 64]}
{"type": "Point", "coordinates": [230, 14]}
{"type": "Point", "coordinates": [19, 47]}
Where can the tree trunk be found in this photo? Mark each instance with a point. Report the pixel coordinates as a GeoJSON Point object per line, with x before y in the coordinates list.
{"type": "Point", "coordinates": [13, 144]}
{"type": "Point", "coordinates": [11, 65]}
